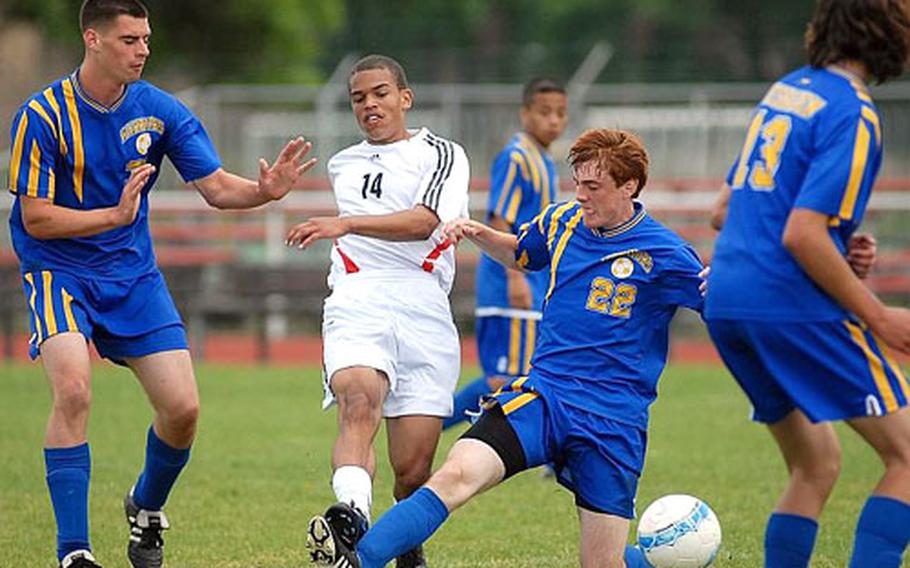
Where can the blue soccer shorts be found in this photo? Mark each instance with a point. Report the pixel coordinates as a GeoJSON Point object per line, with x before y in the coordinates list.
{"type": "Point", "coordinates": [123, 318]}
{"type": "Point", "coordinates": [505, 345]}
{"type": "Point", "coordinates": [599, 460]}
{"type": "Point", "coordinates": [831, 370]}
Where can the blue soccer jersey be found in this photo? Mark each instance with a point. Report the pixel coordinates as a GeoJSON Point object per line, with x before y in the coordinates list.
{"type": "Point", "coordinates": [814, 142]}
{"type": "Point", "coordinates": [72, 150]}
{"type": "Point", "coordinates": [603, 339]}
{"type": "Point", "coordinates": [523, 183]}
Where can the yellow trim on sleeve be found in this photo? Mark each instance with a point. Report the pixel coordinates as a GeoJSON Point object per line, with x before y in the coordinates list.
{"type": "Point", "coordinates": [34, 170]}
{"type": "Point", "coordinates": [15, 162]}
{"type": "Point", "coordinates": [857, 169]}
{"type": "Point", "coordinates": [875, 367]}
{"type": "Point", "coordinates": [78, 149]}
{"type": "Point", "coordinates": [35, 106]}
{"type": "Point", "coordinates": [554, 222]}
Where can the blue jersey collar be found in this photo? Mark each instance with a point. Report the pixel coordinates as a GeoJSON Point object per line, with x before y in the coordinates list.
{"type": "Point", "coordinates": [77, 86]}
{"type": "Point", "coordinates": [638, 215]}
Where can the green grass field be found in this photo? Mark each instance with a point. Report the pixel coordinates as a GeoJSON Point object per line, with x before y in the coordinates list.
{"type": "Point", "coordinates": [260, 469]}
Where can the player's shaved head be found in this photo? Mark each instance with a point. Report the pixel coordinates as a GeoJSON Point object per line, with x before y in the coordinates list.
{"type": "Point", "coordinates": [376, 61]}
{"type": "Point", "coordinates": [537, 86]}
{"type": "Point", "coordinates": [874, 32]}
{"type": "Point", "coordinates": [620, 153]}
{"type": "Point", "coordinates": [96, 13]}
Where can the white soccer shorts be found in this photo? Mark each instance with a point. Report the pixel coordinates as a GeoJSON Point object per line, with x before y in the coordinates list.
{"type": "Point", "coordinates": [401, 324]}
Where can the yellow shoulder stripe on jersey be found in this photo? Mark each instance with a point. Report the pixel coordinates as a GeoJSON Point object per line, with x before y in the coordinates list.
{"type": "Point", "coordinates": [511, 213]}
{"type": "Point", "coordinates": [15, 162]}
{"type": "Point", "coordinates": [78, 148]}
{"type": "Point", "coordinates": [527, 146]}
{"type": "Point", "coordinates": [35, 106]}
{"type": "Point", "coordinates": [561, 248]}
{"type": "Point", "coordinates": [872, 117]}
{"type": "Point", "coordinates": [524, 259]}
{"type": "Point", "coordinates": [857, 169]}
{"type": "Point", "coordinates": [52, 101]}
{"type": "Point", "coordinates": [50, 319]}
{"type": "Point", "coordinates": [542, 183]}
{"type": "Point", "coordinates": [554, 222]}
{"type": "Point", "coordinates": [518, 402]}
{"type": "Point", "coordinates": [68, 310]}
{"type": "Point", "coordinates": [793, 100]}
{"type": "Point", "coordinates": [31, 302]}
{"type": "Point", "coordinates": [875, 366]}
{"type": "Point", "coordinates": [34, 170]}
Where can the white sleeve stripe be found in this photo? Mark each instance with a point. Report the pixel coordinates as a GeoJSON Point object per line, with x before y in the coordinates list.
{"type": "Point", "coordinates": [445, 159]}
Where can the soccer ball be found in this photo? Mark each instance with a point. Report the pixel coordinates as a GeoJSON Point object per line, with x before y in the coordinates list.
{"type": "Point", "coordinates": [679, 531]}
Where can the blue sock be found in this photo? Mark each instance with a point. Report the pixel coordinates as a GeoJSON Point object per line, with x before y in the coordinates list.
{"type": "Point", "coordinates": [635, 558]}
{"type": "Point", "coordinates": [881, 533]}
{"type": "Point", "coordinates": [404, 526]}
{"type": "Point", "coordinates": [789, 540]}
{"type": "Point", "coordinates": [162, 466]}
{"type": "Point", "coordinates": [467, 398]}
{"type": "Point", "coordinates": [68, 473]}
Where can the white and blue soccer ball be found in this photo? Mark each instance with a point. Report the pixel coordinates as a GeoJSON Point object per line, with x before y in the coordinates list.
{"type": "Point", "coordinates": [679, 531]}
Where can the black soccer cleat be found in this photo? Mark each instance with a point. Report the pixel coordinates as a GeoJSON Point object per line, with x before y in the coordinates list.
{"type": "Point", "coordinates": [413, 558]}
{"type": "Point", "coordinates": [348, 523]}
{"type": "Point", "coordinates": [79, 559]}
{"type": "Point", "coordinates": [327, 548]}
{"type": "Point", "coordinates": [146, 547]}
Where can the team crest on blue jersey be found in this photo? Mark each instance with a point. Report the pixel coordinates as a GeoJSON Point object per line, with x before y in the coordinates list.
{"type": "Point", "coordinates": [622, 267]}
{"type": "Point", "coordinates": [143, 143]}
{"type": "Point", "coordinates": [144, 124]}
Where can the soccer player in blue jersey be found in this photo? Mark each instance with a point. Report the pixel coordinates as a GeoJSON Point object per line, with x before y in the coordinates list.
{"type": "Point", "coordinates": [809, 342]}
{"type": "Point", "coordinates": [85, 154]}
{"type": "Point", "coordinates": [615, 277]}
{"type": "Point", "coordinates": [523, 183]}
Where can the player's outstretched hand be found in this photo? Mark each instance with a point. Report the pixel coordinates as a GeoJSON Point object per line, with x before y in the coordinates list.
{"type": "Point", "coordinates": [276, 181]}
{"type": "Point", "coordinates": [894, 328]}
{"type": "Point", "coordinates": [861, 251]}
{"type": "Point", "coordinates": [458, 229]}
{"type": "Point", "coordinates": [315, 228]}
{"type": "Point", "coordinates": [132, 194]}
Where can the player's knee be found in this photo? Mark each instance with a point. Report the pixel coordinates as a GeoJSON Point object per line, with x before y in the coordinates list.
{"type": "Point", "coordinates": [410, 476]}
{"type": "Point", "coordinates": [73, 398]}
{"type": "Point", "coordinates": [454, 483]}
{"type": "Point", "coordinates": [820, 473]}
{"type": "Point", "coordinates": [358, 407]}
{"type": "Point", "coordinates": [182, 417]}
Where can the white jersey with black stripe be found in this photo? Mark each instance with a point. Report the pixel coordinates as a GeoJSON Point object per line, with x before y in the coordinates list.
{"type": "Point", "coordinates": [371, 179]}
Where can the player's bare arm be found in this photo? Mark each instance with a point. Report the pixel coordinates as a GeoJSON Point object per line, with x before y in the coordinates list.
{"type": "Point", "coordinates": [44, 220]}
{"type": "Point", "coordinates": [517, 288]}
{"type": "Point", "coordinates": [719, 208]}
{"type": "Point", "coordinates": [807, 238]}
{"type": "Point", "coordinates": [224, 190]}
{"type": "Point", "coordinates": [415, 224]}
{"type": "Point", "coordinates": [500, 245]}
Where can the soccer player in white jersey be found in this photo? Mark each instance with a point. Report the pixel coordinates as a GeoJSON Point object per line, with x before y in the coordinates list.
{"type": "Point", "coordinates": [390, 346]}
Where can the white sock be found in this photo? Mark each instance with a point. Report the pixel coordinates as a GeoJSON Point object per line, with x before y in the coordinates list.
{"type": "Point", "coordinates": [352, 484]}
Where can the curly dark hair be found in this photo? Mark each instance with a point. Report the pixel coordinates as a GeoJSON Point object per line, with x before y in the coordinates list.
{"type": "Point", "coordinates": [874, 32]}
